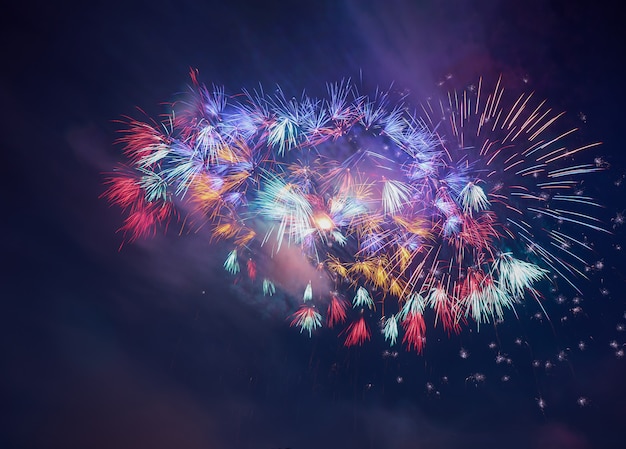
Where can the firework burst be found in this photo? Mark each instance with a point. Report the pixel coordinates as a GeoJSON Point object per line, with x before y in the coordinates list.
{"type": "Point", "coordinates": [450, 215]}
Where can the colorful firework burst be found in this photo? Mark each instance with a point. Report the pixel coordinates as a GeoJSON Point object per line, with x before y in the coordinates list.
{"type": "Point", "coordinates": [450, 215]}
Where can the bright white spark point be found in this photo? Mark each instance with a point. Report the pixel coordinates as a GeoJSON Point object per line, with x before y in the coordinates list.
{"type": "Point", "coordinates": [324, 223]}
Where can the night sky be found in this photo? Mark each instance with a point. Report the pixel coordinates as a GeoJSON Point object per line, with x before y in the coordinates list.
{"type": "Point", "coordinates": [149, 345]}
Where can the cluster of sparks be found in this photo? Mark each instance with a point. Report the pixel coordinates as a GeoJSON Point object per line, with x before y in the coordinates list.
{"type": "Point", "coordinates": [450, 214]}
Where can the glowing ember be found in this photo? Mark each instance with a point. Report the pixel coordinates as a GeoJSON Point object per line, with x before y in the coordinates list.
{"type": "Point", "coordinates": [323, 223]}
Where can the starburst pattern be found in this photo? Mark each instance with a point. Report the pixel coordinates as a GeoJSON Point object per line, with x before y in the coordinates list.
{"type": "Point", "coordinates": [457, 213]}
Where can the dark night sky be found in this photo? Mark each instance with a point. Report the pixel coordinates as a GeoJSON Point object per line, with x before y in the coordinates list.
{"type": "Point", "coordinates": [150, 347]}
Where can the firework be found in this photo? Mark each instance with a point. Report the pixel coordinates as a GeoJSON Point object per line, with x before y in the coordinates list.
{"type": "Point", "coordinates": [452, 215]}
